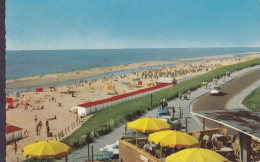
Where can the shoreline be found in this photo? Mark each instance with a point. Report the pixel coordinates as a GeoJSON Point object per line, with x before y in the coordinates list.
{"type": "Point", "coordinates": [48, 79]}
{"type": "Point", "coordinates": [58, 79]}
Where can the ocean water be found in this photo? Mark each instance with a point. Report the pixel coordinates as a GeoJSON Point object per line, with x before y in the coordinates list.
{"type": "Point", "coordinates": [21, 64]}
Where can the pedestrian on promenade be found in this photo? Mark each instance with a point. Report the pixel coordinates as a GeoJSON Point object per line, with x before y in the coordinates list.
{"type": "Point", "coordinates": [209, 85]}
{"type": "Point", "coordinates": [224, 78]}
{"type": "Point", "coordinates": [161, 103]}
{"type": "Point", "coordinates": [173, 111]}
{"type": "Point", "coordinates": [180, 95]}
{"type": "Point", "coordinates": [206, 84]}
{"type": "Point", "coordinates": [164, 102]}
{"type": "Point", "coordinates": [180, 112]}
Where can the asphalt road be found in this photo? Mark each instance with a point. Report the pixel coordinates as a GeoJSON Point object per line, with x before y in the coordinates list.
{"type": "Point", "coordinates": [231, 89]}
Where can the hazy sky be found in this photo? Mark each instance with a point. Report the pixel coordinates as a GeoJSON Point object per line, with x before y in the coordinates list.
{"type": "Point", "coordinates": [92, 24]}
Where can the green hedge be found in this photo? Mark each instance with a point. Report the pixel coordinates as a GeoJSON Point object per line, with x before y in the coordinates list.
{"type": "Point", "coordinates": [252, 101]}
{"type": "Point", "coordinates": [104, 121]}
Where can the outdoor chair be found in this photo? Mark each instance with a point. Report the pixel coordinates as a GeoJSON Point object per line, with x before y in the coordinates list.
{"type": "Point", "coordinates": [217, 145]}
{"type": "Point", "coordinates": [235, 147]}
{"type": "Point", "coordinates": [206, 137]}
{"type": "Point", "coordinates": [203, 144]}
{"type": "Point", "coordinates": [209, 145]}
{"type": "Point", "coordinates": [229, 140]}
{"type": "Point", "coordinates": [196, 134]}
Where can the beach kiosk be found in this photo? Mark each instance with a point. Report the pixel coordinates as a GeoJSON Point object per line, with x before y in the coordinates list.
{"type": "Point", "coordinates": [13, 133]}
{"type": "Point", "coordinates": [165, 80]}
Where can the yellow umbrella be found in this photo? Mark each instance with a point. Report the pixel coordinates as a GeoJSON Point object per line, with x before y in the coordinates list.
{"type": "Point", "coordinates": [148, 125]}
{"type": "Point", "coordinates": [196, 155]}
{"type": "Point", "coordinates": [173, 138]}
{"type": "Point", "coordinates": [46, 149]}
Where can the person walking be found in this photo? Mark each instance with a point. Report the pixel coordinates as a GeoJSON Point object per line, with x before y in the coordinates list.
{"type": "Point", "coordinates": [36, 129]}
{"type": "Point", "coordinates": [224, 78]}
{"type": "Point", "coordinates": [173, 111]}
{"type": "Point", "coordinates": [15, 147]}
{"type": "Point", "coordinates": [161, 103]}
{"type": "Point", "coordinates": [209, 85]}
{"type": "Point", "coordinates": [180, 112]}
{"type": "Point", "coordinates": [180, 95]}
{"type": "Point", "coordinates": [164, 102]}
{"type": "Point", "coordinates": [35, 118]}
{"type": "Point", "coordinates": [189, 93]}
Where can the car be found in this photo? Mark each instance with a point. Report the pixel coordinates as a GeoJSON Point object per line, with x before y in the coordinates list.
{"type": "Point", "coordinates": [163, 112]}
{"type": "Point", "coordinates": [216, 91]}
{"type": "Point", "coordinates": [114, 148]}
{"type": "Point", "coordinates": [130, 134]}
{"type": "Point", "coordinates": [175, 122]}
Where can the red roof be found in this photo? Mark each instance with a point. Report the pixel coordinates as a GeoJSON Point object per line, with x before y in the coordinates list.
{"type": "Point", "coordinates": [114, 98]}
{"type": "Point", "coordinates": [11, 128]}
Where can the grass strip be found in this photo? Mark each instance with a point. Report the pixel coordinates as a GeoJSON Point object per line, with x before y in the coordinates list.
{"type": "Point", "coordinates": [252, 101]}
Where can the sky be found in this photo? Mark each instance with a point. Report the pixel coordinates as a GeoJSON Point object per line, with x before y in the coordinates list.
{"type": "Point", "coordinates": [113, 24]}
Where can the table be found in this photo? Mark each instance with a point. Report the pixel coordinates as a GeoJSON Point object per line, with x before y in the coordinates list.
{"type": "Point", "coordinates": [216, 136]}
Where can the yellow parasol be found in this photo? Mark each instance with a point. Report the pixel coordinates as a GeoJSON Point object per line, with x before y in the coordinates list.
{"type": "Point", "coordinates": [173, 138]}
{"type": "Point", "coordinates": [46, 149]}
{"type": "Point", "coordinates": [148, 125]}
{"type": "Point", "coordinates": [196, 154]}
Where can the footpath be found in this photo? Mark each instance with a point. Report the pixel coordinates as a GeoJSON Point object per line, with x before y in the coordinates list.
{"type": "Point", "coordinates": [186, 105]}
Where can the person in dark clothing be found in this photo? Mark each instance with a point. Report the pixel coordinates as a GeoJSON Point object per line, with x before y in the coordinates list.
{"type": "Point", "coordinates": [173, 111]}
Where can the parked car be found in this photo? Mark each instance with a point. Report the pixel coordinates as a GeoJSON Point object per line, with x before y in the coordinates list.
{"type": "Point", "coordinates": [131, 134]}
{"type": "Point", "coordinates": [163, 112]}
{"type": "Point", "coordinates": [216, 91]}
{"type": "Point", "coordinates": [175, 122]}
{"type": "Point", "coordinates": [114, 148]}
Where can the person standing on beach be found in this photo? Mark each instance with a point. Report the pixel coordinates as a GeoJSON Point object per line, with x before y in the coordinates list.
{"type": "Point", "coordinates": [15, 147]}
{"type": "Point", "coordinates": [35, 118]}
{"type": "Point", "coordinates": [36, 129]}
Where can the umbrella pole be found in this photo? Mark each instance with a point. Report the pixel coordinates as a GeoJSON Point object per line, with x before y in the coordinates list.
{"type": "Point", "coordinates": [149, 146]}
{"type": "Point", "coordinates": [136, 139]}
{"type": "Point", "coordinates": [161, 153]}
{"type": "Point", "coordinates": [125, 132]}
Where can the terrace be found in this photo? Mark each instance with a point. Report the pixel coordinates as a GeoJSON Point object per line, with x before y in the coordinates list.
{"type": "Point", "coordinates": [216, 140]}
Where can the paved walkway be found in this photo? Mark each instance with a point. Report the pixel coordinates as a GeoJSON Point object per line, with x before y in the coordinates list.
{"type": "Point", "coordinates": [186, 105]}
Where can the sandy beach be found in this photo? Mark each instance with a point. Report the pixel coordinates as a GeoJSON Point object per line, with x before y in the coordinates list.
{"type": "Point", "coordinates": [57, 101]}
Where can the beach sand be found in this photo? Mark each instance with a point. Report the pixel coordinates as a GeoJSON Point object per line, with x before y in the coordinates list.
{"type": "Point", "coordinates": [86, 92]}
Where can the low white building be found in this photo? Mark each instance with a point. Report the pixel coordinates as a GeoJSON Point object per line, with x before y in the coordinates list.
{"type": "Point", "coordinates": [165, 80]}
{"type": "Point", "coordinates": [13, 133]}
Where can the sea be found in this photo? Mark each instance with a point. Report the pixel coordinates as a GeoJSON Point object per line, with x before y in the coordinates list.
{"type": "Point", "coordinates": [25, 63]}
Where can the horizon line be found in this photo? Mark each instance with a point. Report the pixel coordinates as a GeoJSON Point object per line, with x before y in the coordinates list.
{"type": "Point", "coordinates": [126, 48]}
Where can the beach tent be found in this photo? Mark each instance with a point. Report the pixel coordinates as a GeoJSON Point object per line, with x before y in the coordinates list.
{"type": "Point", "coordinates": [9, 100]}
{"type": "Point", "coordinates": [12, 133]}
{"type": "Point", "coordinates": [39, 89]}
{"type": "Point", "coordinates": [25, 103]}
{"type": "Point", "coordinates": [17, 94]}
{"type": "Point", "coordinates": [107, 87]}
{"type": "Point", "coordinates": [136, 79]}
{"type": "Point", "coordinates": [123, 83]}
